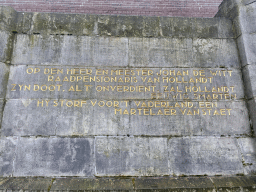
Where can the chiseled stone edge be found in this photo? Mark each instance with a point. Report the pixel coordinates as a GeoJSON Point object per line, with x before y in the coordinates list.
{"type": "Point", "coordinates": [247, 183]}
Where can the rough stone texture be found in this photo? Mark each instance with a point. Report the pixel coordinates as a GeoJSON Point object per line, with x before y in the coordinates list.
{"type": "Point", "coordinates": [28, 119]}
{"type": "Point", "coordinates": [131, 156]}
{"type": "Point", "coordinates": [123, 26]}
{"type": "Point", "coordinates": [105, 51]}
{"type": "Point", "coordinates": [172, 183]}
{"type": "Point", "coordinates": [252, 111]}
{"type": "Point", "coordinates": [246, 44]}
{"type": "Point", "coordinates": [248, 149]}
{"type": "Point", "coordinates": [204, 155]}
{"type": "Point", "coordinates": [4, 75]}
{"type": "Point", "coordinates": [54, 157]}
{"type": "Point", "coordinates": [91, 184]}
{"type": "Point", "coordinates": [29, 183]}
{"type": "Point", "coordinates": [249, 79]}
{"type": "Point", "coordinates": [7, 155]}
{"type": "Point", "coordinates": [238, 183]}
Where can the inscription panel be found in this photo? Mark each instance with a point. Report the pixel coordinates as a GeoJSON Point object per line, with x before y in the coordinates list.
{"type": "Point", "coordinates": [56, 100]}
{"type": "Point", "coordinates": [32, 82]}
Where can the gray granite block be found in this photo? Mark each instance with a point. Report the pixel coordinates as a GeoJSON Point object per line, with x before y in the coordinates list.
{"type": "Point", "coordinates": [54, 157]}
{"type": "Point", "coordinates": [90, 117]}
{"type": "Point", "coordinates": [204, 155]}
{"type": "Point", "coordinates": [131, 156]}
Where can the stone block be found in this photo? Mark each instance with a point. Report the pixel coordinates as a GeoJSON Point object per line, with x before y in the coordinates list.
{"type": "Point", "coordinates": [186, 183]}
{"type": "Point", "coordinates": [252, 113]}
{"type": "Point", "coordinates": [29, 117]}
{"type": "Point", "coordinates": [5, 50]}
{"type": "Point", "coordinates": [131, 156]}
{"type": "Point", "coordinates": [174, 52]}
{"type": "Point", "coordinates": [91, 184]}
{"type": "Point", "coordinates": [237, 183]}
{"type": "Point", "coordinates": [7, 18]}
{"type": "Point", "coordinates": [26, 184]}
{"type": "Point", "coordinates": [82, 50]}
{"type": "Point", "coordinates": [249, 77]}
{"type": "Point", "coordinates": [193, 119]}
{"type": "Point", "coordinates": [7, 155]}
{"type": "Point", "coordinates": [248, 150]}
{"type": "Point", "coordinates": [4, 76]}
{"type": "Point", "coordinates": [66, 82]}
{"type": "Point", "coordinates": [54, 157]}
{"type": "Point", "coordinates": [90, 117]}
{"type": "Point", "coordinates": [247, 48]}
{"type": "Point", "coordinates": [204, 156]}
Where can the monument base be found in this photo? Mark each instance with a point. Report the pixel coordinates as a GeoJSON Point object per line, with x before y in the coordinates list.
{"type": "Point", "coordinates": [238, 183]}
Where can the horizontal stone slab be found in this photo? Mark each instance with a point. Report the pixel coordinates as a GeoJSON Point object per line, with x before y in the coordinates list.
{"type": "Point", "coordinates": [54, 157]}
{"type": "Point", "coordinates": [130, 184]}
{"type": "Point", "coordinates": [204, 155]}
{"type": "Point", "coordinates": [123, 26]}
{"type": "Point", "coordinates": [28, 183]}
{"type": "Point", "coordinates": [54, 82]}
{"type": "Point", "coordinates": [186, 156]}
{"type": "Point", "coordinates": [131, 156]}
{"type": "Point", "coordinates": [126, 156]}
{"type": "Point", "coordinates": [4, 76]}
{"type": "Point", "coordinates": [116, 51]}
{"type": "Point", "coordinates": [124, 117]}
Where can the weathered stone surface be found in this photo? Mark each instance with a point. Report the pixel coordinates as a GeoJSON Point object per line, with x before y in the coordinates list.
{"type": "Point", "coordinates": [123, 26]}
{"type": "Point", "coordinates": [247, 147]}
{"type": "Point", "coordinates": [5, 51]}
{"type": "Point", "coordinates": [249, 79]}
{"type": "Point", "coordinates": [7, 18]}
{"type": "Point", "coordinates": [235, 183]}
{"type": "Point", "coordinates": [247, 48]}
{"type": "Point", "coordinates": [29, 117]}
{"type": "Point", "coordinates": [28, 183]}
{"type": "Point", "coordinates": [204, 155]}
{"type": "Point", "coordinates": [39, 82]}
{"type": "Point", "coordinates": [1, 110]}
{"type": "Point", "coordinates": [54, 157]}
{"type": "Point", "coordinates": [182, 53]}
{"type": "Point", "coordinates": [252, 111]}
{"type": "Point", "coordinates": [4, 75]}
{"type": "Point", "coordinates": [132, 156]}
{"type": "Point", "coordinates": [184, 121]}
{"type": "Point", "coordinates": [91, 184]}
{"type": "Point", "coordinates": [7, 155]}
{"type": "Point", "coordinates": [82, 50]}
{"type": "Point", "coordinates": [191, 183]}
{"type": "Point", "coordinates": [105, 51]}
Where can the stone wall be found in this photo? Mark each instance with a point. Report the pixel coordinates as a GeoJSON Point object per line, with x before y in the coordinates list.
{"type": "Point", "coordinates": [96, 96]}
{"type": "Point", "coordinates": [181, 8]}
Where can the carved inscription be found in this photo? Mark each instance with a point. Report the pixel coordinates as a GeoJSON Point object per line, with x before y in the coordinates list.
{"type": "Point", "coordinates": [133, 91]}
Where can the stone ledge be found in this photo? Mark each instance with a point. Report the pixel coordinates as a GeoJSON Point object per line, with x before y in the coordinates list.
{"type": "Point", "coordinates": [238, 183]}
{"type": "Point", "coordinates": [114, 25]}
